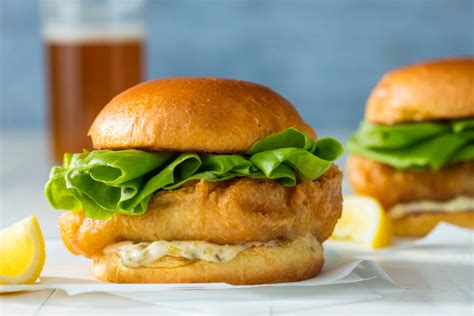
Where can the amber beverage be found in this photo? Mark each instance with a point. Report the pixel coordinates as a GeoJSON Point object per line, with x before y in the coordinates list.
{"type": "Point", "coordinates": [94, 49]}
{"type": "Point", "coordinates": [83, 77]}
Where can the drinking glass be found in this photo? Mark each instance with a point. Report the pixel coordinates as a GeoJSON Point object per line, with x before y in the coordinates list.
{"type": "Point", "coordinates": [94, 49]}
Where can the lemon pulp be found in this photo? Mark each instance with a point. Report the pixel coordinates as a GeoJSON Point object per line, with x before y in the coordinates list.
{"type": "Point", "coordinates": [22, 252]}
{"type": "Point", "coordinates": [363, 221]}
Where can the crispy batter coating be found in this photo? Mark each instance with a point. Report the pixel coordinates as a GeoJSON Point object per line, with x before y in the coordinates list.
{"type": "Point", "coordinates": [229, 212]}
{"type": "Point", "coordinates": [391, 186]}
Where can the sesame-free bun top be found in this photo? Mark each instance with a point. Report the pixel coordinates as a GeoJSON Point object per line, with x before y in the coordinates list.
{"type": "Point", "coordinates": [434, 90]}
{"type": "Point", "coordinates": [194, 115]}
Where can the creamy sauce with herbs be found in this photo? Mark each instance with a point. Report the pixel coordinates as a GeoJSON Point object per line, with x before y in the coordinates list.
{"type": "Point", "coordinates": [143, 253]}
{"type": "Point", "coordinates": [459, 204]}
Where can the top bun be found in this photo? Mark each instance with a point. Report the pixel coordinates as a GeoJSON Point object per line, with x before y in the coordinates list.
{"type": "Point", "coordinates": [435, 90]}
{"type": "Point", "coordinates": [194, 115]}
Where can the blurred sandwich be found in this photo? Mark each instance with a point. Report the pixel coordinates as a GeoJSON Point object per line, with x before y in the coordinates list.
{"type": "Point", "coordinates": [414, 151]}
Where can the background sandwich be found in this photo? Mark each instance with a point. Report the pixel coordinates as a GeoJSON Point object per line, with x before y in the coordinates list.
{"type": "Point", "coordinates": [200, 180]}
{"type": "Point", "coordinates": [414, 151]}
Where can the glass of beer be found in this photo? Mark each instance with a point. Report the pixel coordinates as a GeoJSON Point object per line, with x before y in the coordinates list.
{"type": "Point", "coordinates": [94, 49]}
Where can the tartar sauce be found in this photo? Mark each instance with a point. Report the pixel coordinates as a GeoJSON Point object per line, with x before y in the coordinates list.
{"type": "Point", "coordinates": [459, 204]}
{"type": "Point", "coordinates": [143, 253]}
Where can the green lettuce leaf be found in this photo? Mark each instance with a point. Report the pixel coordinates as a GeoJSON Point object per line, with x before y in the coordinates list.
{"type": "Point", "coordinates": [105, 182]}
{"type": "Point", "coordinates": [290, 137]}
{"type": "Point", "coordinates": [415, 145]}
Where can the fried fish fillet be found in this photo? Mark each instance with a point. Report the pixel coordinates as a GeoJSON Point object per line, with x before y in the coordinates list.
{"type": "Point", "coordinates": [391, 186]}
{"type": "Point", "coordinates": [230, 212]}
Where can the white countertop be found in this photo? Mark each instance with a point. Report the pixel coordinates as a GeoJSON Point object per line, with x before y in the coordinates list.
{"type": "Point", "coordinates": [432, 281]}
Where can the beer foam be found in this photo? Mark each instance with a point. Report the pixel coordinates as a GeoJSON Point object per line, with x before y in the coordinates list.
{"type": "Point", "coordinates": [56, 33]}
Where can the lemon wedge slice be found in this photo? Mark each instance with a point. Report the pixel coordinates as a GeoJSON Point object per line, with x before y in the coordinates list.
{"type": "Point", "coordinates": [22, 252]}
{"type": "Point", "coordinates": [363, 221]}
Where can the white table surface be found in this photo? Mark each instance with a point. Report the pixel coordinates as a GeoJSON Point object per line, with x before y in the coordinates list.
{"type": "Point", "coordinates": [432, 281]}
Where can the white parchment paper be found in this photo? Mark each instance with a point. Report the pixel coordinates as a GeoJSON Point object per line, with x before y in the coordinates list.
{"type": "Point", "coordinates": [73, 275]}
{"type": "Point", "coordinates": [345, 264]}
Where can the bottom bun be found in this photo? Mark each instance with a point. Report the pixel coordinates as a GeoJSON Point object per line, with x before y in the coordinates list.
{"type": "Point", "coordinates": [301, 259]}
{"type": "Point", "coordinates": [421, 224]}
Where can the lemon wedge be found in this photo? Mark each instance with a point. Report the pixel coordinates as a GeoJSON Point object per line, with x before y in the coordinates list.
{"type": "Point", "coordinates": [363, 221]}
{"type": "Point", "coordinates": [22, 252]}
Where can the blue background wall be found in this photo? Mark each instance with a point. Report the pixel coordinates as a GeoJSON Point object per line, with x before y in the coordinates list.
{"type": "Point", "coordinates": [322, 55]}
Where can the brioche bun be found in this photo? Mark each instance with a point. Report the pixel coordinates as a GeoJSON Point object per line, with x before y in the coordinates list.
{"type": "Point", "coordinates": [300, 260]}
{"type": "Point", "coordinates": [194, 115]}
{"type": "Point", "coordinates": [434, 90]}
